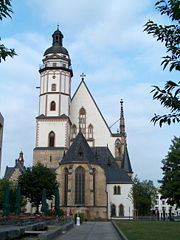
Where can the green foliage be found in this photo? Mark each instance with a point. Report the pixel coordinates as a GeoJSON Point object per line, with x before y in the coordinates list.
{"type": "Point", "coordinates": [169, 97]}
{"type": "Point", "coordinates": [12, 197]}
{"type": "Point", "coordinates": [34, 180]}
{"type": "Point", "coordinates": [52, 212]}
{"type": "Point", "coordinates": [170, 36]}
{"type": "Point", "coordinates": [170, 183]}
{"type": "Point", "coordinates": [143, 193]}
{"type": "Point", "coordinates": [5, 11]}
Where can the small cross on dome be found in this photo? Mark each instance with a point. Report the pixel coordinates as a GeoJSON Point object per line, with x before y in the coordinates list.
{"type": "Point", "coordinates": [82, 76]}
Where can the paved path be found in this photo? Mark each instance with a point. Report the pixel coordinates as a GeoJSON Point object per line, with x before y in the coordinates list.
{"type": "Point", "coordinates": [91, 231]}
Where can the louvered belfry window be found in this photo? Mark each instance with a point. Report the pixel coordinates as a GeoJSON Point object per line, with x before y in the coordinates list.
{"type": "Point", "coordinates": [79, 186]}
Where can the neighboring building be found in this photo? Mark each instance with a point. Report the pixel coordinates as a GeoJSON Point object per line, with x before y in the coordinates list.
{"type": "Point", "coordinates": [162, 207]}
{"type": "Point", "coordinates": [1, 136]}
{"type": "Point", "coordinates": [12, 173]}
{"type": "Point", "coordinates": [72, 137]}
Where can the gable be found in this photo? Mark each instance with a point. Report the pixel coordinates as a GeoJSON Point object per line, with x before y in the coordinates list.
{"type": "Point", "coordinates": [83, 98]}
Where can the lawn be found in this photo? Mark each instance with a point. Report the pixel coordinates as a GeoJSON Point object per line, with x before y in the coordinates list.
{"type": "Point", "coordinates": [146, 230]}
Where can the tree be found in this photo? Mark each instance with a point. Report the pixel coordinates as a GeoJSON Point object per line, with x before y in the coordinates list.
{"type": "Point", "coordinates": [143, 193]}
{"type": "Point", "coordinates": [169, 96]}
{"type": "Point", "coordinates": [5, 11]}
{"type": "Point", "coordinates": [12, 198]}
{"type": "Point", "coordinates": [170, 183]}
{"type": "Point", "coordinates": [33, 181]}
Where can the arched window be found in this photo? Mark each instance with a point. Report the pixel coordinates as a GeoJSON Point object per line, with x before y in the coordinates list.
{"type": "Point", "coordinates": [90, 131]}
{"type": "Point", "coordinates": [94, 185]}
{"type": "Point", "coordinates": [118, 190]}
{"type": "Point", "coordinates": [113, 210]}
{"type": "Point", "coordinates": [52, 106]}
{"type": "Point", "coordinates": [82, 120]}
{"type": "Point", "coordinates": [65, 186]}
{"type": "Point", "coordinates": [51, 139]}
{"type": "Point", "coordinates": [79, 186]}
{"type": "Point", "coordinates": [117, 148]}
{"type": "Point", "coordinates": [121, 210]}
{"type": "Point", "coordinates": [73, 131]}
{"type": "Point", "coordinates": [115, 190]}
{"type": "Point", "coordinates": [53, 87]}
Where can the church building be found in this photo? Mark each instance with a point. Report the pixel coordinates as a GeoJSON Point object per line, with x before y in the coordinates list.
{"type": "Point", "coordinates": [91, 163]}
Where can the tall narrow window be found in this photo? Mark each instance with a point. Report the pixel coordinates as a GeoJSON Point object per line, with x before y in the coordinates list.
{"type": "Point", "coordinates": [79, 186]}
{"type": "Point", "coordinates": [65, 186]}
{"type": "Point", "coordinates": [94, 185]}
{"type": "Point", "coordinates": [121, 210]}
{"type": "Point", "coordinates": [73, 131]}
{"type": "Point", "coordinates": [53, 106]}
{"type": "Point", "coordinates": [90, 131]}
{"type": "Point", "coordinates": [118, 190]}
{"type": "Point", "coordinates": [115, 190]}
{"type": "Point", "coordinates": [53, 87]}
{"type": "Point", "coordinates": [82, 120]}
{"type": "Point", "coordinates": [113, 210]}
{"type": "Point", "coordinates": [51, 139]}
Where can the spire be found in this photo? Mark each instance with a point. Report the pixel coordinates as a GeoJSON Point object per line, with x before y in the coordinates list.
{"type": "Point", "coordinates": [122, 122]}
{"type": "Point", "coordinates": [57, 37]}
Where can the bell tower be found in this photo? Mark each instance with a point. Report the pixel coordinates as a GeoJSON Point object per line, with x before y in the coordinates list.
{"type": "Point", "coordinates": [53, 123]}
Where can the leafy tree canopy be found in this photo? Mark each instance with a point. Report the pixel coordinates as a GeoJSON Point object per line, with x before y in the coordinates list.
{"type": "Point", "coordinates": [143, 194]}
{"type": "Point", "coordinates": [169, 96]}
{"type": "Point", "coordinates": [5, 11]}
{"type": "Point", "coordinates": [170, 183]}
{"type": "Point", "coordinates": [34, 180]}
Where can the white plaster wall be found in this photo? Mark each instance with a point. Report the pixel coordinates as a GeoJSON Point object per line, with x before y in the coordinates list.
{"type": "Point", "coordinates": [42, 104]}
{"type": "Point", "coordinates": [64, 108]}
{"type": "Point", "coordinates": [102, 135]}
{"type": "Point", "coordinates": [55, 98]}
{"type": "Point", "coordinates": [58, 127]}
{"type": "Point", "coordinates": [123, 199]}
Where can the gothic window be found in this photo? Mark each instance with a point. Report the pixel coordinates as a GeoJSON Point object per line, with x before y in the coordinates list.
{"type": "Point", "coordinates": [113, 210]}
{"type": "Point", "coordinates": [51, 139]}
{"type": "Point", "coordinates": [90, 131]}
{"type": "Point", "coordinates": [82, 120]}
{"type": "Point", "coordinates": [118, 146]}
{"type": "Point", "coordinates": [121, 210]}
{"type": "Point", "coordinates": [94, 185]}
{"type": "Point", "coordinates": [65, 186]}
{"type": "Point", "coordinates": [52, 106]}
{"type": "Point", "coordinates": [79, 186]}
{"type": "Point", "coordinates": [115, 190]}
{"type": "Point", "coordinates": [53, 87]}
{"type": "Point", "coordinates": [118, 190]}
{"type": "Point", "coordinates": [73, 131]}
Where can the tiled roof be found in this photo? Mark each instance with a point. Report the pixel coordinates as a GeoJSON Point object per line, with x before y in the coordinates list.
{"type": "Point", "coordinates": [79, 151]}
{"type": "Point", "coordinates": [126, 164]}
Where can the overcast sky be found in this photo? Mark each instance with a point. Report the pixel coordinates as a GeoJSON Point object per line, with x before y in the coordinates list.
{"type": "Point", "coordinates": [105, 40]}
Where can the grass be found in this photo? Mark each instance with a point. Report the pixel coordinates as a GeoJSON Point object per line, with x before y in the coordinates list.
{"type": "Point", "coordinates": [146, 230]}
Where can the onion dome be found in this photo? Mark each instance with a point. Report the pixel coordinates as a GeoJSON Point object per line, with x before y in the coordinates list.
{"type": "Point", "coordinates": [57, 46]}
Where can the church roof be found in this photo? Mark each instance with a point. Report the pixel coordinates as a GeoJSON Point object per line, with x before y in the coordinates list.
{"type": "Point", "coordinates": [10, 170]}
{"type": "Point", "coordinates": [126, 164]}
{"type": "Point", "coordinates": [42, 116]}
{"type": "Point", "coordinates": [114, 174]}
{"type": "Point", "coordinates": [57, 44]}
{"type": "Point", "coordinates": [79, 151]}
